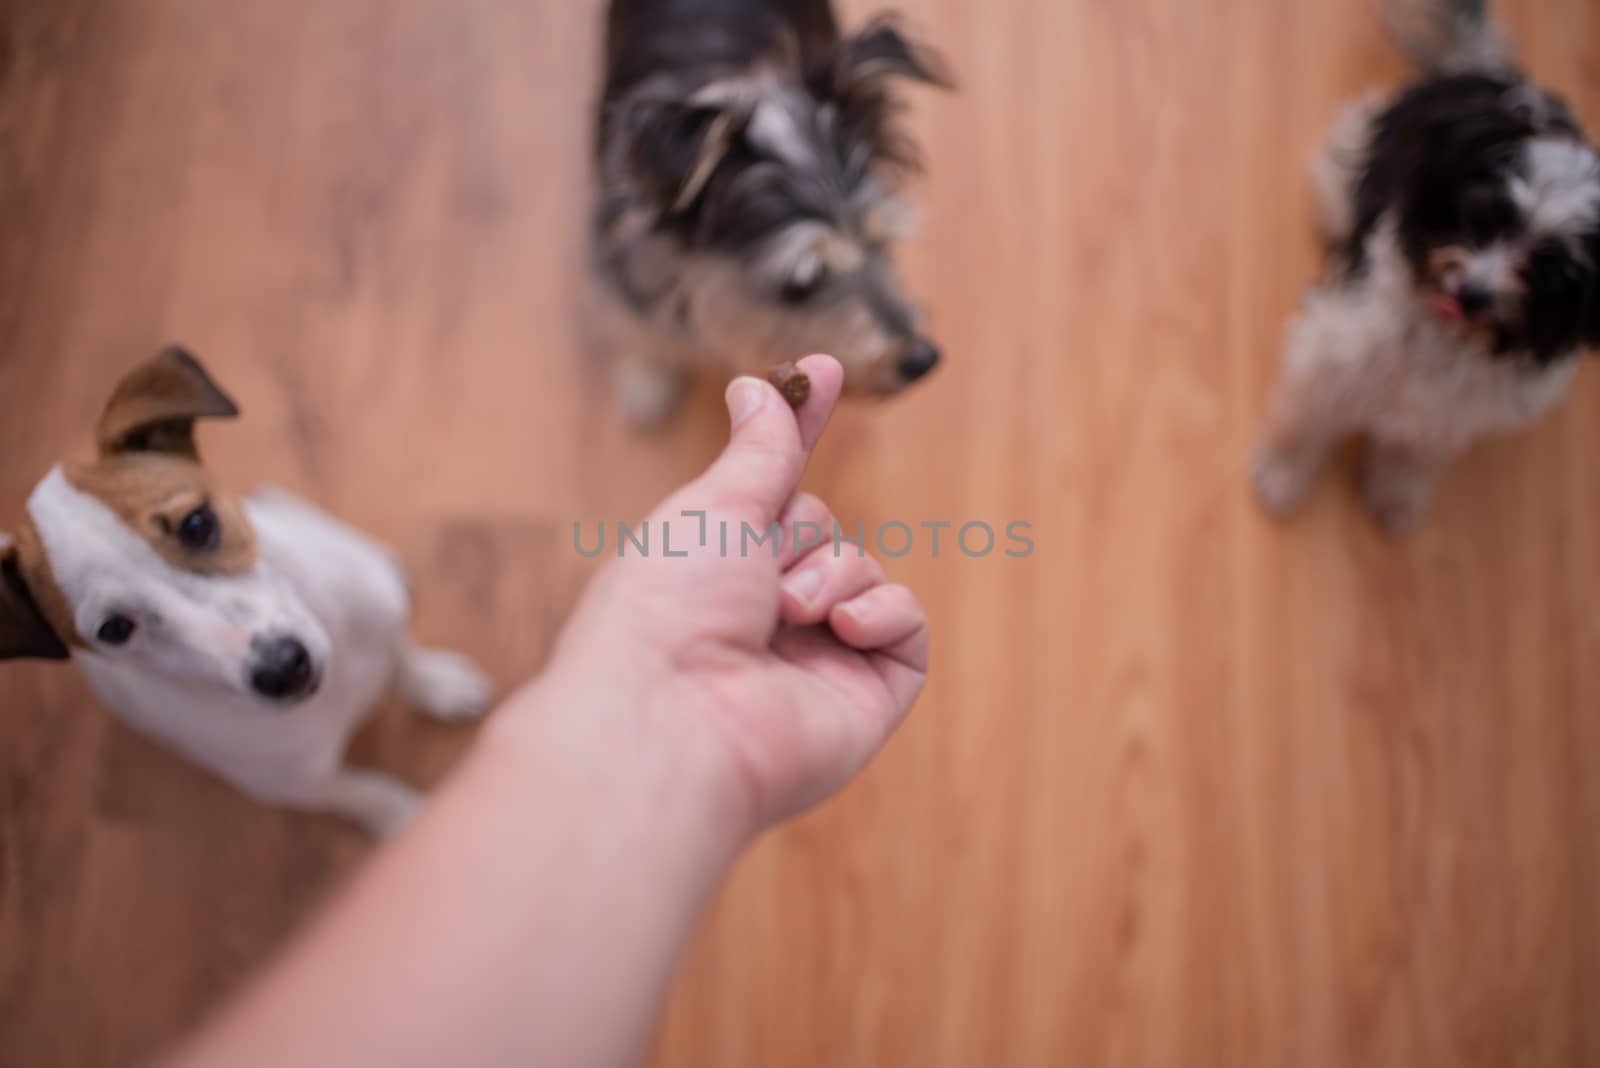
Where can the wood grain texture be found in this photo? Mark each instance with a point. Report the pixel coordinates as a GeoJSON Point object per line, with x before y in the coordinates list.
{"type": "Point", "coordinates": [1187, 788]}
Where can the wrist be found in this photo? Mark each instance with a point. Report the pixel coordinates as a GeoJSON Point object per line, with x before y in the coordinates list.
{"type": "Point", "coordinates": [626, 764]}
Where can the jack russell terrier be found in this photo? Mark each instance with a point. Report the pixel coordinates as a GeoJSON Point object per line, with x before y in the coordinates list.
{"type": "Point", "coordinates": [254, 637]}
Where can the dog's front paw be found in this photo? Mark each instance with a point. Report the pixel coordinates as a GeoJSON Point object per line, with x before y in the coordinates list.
{"type": "Point", "coordinates": [446, 686]}
{"type": "Point", "coordinates": [1396, 497]}
{"type": "Point", "coordinates": [380, 803]}
{"type": "Point", "coordinates": [387, 812]}
{"type": "Point", "coordinates": [1281, 484]}
{"type": "Point", "coordinates": [651, 394]}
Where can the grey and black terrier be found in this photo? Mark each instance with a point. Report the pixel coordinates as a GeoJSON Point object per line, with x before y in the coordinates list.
{"type": "Point", "coordinates": [749, 163]}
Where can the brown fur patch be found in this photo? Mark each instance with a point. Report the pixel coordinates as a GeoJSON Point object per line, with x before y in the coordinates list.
{"type": "Point", "coordinates": [153, 492]}
{"type": "Point", "coordinates": [155, 406]}
{"type": "Point", "coordinates": [34, 565]}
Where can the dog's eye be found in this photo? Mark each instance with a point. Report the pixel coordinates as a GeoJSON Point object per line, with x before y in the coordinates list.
{"type": "Point", "coordinates": [200, 531]}
{"type": "Point", "coordinates": [1488, 215]}
{"type": "Point", "coordinates": [804, 284]}
{"type": "Point", "coordinates": [116, 630]}
{"type": "Point", "coordinates": [1551, 260]}
{"type": "Point", "coordinates": [1554, 274]}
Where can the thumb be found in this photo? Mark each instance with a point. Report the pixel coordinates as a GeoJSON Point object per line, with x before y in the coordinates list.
{"type": "Point", "coordinates": [760, 469]}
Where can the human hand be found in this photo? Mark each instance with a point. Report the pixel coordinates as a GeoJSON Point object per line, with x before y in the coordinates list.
{"type": "Point", "coordinates": [769, 678]}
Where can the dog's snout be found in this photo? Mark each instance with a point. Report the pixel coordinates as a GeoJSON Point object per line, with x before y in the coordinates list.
{"type": "Point", "coordinates": [1475, 299]}
{"type": "Point", "coordinates": [919, 360]}
{"type": "Point", "coordinates": [281, 669]}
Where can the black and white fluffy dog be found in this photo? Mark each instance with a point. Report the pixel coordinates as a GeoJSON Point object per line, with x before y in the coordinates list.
{"type": "Point", "coordinates": [1463, 215]}
{"type": "Point", "coordinates": [749, 162]}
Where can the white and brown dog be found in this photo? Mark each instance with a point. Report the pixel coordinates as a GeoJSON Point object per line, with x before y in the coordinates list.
{"type": "Point", "coordinates": [254, 636]}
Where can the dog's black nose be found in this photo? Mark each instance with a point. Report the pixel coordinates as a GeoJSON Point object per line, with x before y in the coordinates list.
{"type": "Point", "coordinates": [282, 669]}
{"type": "Point", "coordinates": [919, 360]}
{"type": "Point", "coordinates": [1475, 299]}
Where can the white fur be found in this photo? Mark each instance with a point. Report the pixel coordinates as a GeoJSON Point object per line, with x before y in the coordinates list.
{"type": "Point", "coordinates": [190, 625]}
{"type": "Point", "coordinates": [1367, 358]}
{"type": "Point", "coordinates": [1561, 194]}
{"type": "Point", "coordinates": [775, 127]}
{"type": "Point", "coordinates": [1389, 368]}
{"type": "Point", "coordinates": [183, 679]}
{"type": "Point", "coordinates": [445, 685]}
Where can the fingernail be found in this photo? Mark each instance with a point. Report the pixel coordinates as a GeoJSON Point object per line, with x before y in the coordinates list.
{"type": "Point", "coordinates": [804, 585]}
{"type": "Point", "coordinates": [861, 610]}
{"type": "Point", "coordinates": [745, 397]}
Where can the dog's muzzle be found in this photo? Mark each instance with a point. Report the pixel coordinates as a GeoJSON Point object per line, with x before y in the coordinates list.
{"type": "Point", "coordinates": [281, 669]}
{"type": "Point", "coordinates": [920, 360]}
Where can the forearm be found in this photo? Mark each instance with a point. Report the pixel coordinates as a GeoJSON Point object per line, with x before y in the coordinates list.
{"type": "Point", "coordinates": [532, 916]}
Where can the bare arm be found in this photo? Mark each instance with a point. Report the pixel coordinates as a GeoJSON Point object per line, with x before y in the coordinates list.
{"type": "Point", "coordinates": [533, 916]}
{"type": "Point", "coordinates": [535, 912]}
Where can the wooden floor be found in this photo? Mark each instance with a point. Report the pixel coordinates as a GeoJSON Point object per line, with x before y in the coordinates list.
{"type": "Point", "coordinates": [1187, 789]}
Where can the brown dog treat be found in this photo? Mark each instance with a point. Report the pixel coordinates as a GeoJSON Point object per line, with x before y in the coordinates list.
{"type": "Point", "coordinates": [793, 383]}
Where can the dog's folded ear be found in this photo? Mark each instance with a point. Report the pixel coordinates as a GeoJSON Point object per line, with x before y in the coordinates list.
{"type": "Point", "coordinates": [155, 407]}
{"type": "Point", "coordinates": [24, 634]}
{"type": "Point", "coordinates": [883, 51]}
{"type": "Point", "coordinates": [675, 146]}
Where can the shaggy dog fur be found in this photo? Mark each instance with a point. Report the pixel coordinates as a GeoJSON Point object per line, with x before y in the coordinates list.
{"type": "Point", "coordinates": [748, 168]}
{"type": "Point", "coordinates": [1463, 219]}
